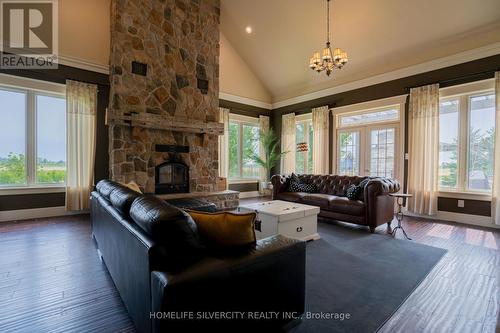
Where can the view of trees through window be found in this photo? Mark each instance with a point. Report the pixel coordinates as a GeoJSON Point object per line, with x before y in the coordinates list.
{"type": "Point", "coordinates": [49, 116]}
{"type": "Point", "coordinates": [243, 140]}
{"type": "Point", "coordinates": [479, 140]}
{"type": "Point", "coordinates": [304, 160]}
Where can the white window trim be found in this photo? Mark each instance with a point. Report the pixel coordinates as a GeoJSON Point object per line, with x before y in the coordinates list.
{"type": "Point", "coordinates": [31, 88]}
{"type": "Point", "coordinates": [242, 120]}
{"type": "Point", "coordinates": [463, 93]}
{"type": "Point", "coordinates": [398, 102]}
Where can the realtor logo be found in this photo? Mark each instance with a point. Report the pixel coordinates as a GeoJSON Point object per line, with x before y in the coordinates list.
{"type": "Point", "coordinates": [29, 34]}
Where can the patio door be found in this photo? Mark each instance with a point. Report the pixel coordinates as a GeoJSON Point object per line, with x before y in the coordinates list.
{"type": "Point", "coordinates": [368, 151]}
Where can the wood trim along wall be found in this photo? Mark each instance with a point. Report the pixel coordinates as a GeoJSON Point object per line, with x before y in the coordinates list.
{"type": "Point", "coordinates": [101, 169]}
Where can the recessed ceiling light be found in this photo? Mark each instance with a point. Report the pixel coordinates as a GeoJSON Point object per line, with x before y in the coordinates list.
{"type": "Point", "coordinates": [248, 29]}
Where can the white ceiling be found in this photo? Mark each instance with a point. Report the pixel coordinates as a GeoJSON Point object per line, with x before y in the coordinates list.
{"type": "Point", "coordinates": [379, 36]}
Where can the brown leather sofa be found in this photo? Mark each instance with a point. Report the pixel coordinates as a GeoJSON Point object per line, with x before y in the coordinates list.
{"type": "Point", "coordinates": [375, 208]}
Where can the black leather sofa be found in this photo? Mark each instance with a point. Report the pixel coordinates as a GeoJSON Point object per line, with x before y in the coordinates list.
{"type": "Point", "coordinates": [168, 280]}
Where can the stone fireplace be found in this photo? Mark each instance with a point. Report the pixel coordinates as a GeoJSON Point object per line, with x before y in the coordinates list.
{"type": "Point", "coordinates": [164, 90]}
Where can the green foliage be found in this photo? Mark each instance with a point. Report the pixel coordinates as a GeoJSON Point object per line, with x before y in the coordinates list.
{"type": "Point", "coordinates": [481, 150]}
{"type": "Point", "coordinates": [270, 144]}
{"type": "Point", "coordinates": [13, 170]}
{"type": "Point", "coordinates": [233, 150]}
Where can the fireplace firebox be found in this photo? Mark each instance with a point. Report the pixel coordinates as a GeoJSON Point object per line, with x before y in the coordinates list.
{"type": "Point", "coordinates": [172, 177]}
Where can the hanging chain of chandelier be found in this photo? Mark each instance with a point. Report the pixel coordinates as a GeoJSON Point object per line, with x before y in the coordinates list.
{"type": "Point", "coordinates": [329, 60]}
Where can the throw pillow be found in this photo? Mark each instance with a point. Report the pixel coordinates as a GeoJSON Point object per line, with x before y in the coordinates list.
{"type": "Point", "coordinates": [302, 187]}
{"type": "Point", "coordinates": [224, 229]}
{"type": "Point", "coordinates": [356, 192]}
{"type": "Point", "coordinates": [133, 186]}
{"type": "Point", "coordinates": [296, 185]}
{"type": "Point", "coordinates": [352, 192]}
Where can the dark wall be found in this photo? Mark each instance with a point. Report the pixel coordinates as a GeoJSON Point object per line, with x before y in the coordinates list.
{"type": "Point", "coordinates": [244, 187]}
{"type": "Point", "coordinates": [60, 75]}
{"type": "Point", "coordinates": [472, 207]}
{"type": "Point", "coordinates": [244, 109]}
{"type": "Point", "coordinates": [463, 73]}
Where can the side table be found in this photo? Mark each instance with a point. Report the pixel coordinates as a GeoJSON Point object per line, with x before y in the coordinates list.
{"type": "Point", "coordinates": [399, 215]}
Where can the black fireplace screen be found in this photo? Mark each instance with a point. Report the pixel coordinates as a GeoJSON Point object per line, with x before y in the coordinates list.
{"type": "Point", "coordinates": [172, 177]}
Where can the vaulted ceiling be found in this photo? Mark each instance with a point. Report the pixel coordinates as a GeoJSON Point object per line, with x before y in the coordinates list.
{"type": "Point", "coordinates": [379, 36]}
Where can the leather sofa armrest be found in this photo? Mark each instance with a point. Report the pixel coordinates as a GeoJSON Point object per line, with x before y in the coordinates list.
{"type": "Point", "coordinates": [379, 186]}
{"type": "Point", "coordinates": [379, 205]}
{"type": "Point", "coordinates": [279, 182]}
{"type": "Point", "coordinates": [274, 269]}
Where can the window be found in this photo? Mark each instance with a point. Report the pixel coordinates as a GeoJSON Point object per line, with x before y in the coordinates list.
{"type": "Point", "coordinates": [349, 146]}
{"type": "Point", "coordinates": [243, 143]}
{"type": "Point", "coordinates": [448, 143]}
{"type": "Point", "coordinates": [33, 137]}
{"type": "Point", "coordinates": [12, 137]}
{"type": "Point", "coordinates": [304, 134]}
{"type": "Point", "coordinates": [466, 141]}
{"type": "Point", "coordinates": [391, 114]}
{"type": "Point", "coordinates": [367, 138]}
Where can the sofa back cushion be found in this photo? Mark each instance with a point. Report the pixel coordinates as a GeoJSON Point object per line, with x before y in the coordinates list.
{"type": "Point", "coordinates": [122, 198]}
{"type": "Point", "coordinates": [105, 187]}
{"type": "Point", "coordinates": [332, 184]}
{"type": "Point", "coordinates": [165, 224]}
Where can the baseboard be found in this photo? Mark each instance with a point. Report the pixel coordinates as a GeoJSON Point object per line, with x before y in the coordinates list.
{"type": "Point", "coordinates": [252, 194]}
{"type": "Point", "coordinates": [476, 220]}
{"type": "Point", "coordinates": [36, 213]}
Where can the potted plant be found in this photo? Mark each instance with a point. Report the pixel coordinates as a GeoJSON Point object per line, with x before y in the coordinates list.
{"type": "Point", "coordinates": [269, 142]}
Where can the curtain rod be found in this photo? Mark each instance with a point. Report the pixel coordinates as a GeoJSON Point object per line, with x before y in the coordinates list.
{"type": "Point", "coordinates": [458, 78]}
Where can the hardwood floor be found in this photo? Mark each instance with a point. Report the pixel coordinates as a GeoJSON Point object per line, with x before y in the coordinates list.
{"type": "Point", "coordinates": [52, 280]}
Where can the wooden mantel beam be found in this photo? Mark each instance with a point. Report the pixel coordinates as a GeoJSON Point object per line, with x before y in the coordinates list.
{"type": "Point", "coordinates": [177, 124]}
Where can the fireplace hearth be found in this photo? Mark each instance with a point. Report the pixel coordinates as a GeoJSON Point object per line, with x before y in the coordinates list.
{"type": "Point", "coordinates": [172, 176]}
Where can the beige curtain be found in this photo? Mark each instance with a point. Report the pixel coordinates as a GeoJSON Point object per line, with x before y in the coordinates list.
{"type": "Point", "coordinates": [495, 203]}
{"type": "Point", "coordinates": [321, 144]}
{"type": "Point", "coordinates": [224, 144]}
{"type": "Point", "coordinates": [81, 104]}
{"type": "Point", "coordinates": [423, 149]}
{"type": "Point", "coordinates": [263, 174]}
{"type": "Point", "coordinates": [288, 143]}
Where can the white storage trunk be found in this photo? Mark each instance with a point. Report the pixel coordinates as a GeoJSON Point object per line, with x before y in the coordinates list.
{"type": "Point", "coordinates": [285, 218]}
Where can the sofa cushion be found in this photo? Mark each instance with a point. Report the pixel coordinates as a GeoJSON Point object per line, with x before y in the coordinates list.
{"type": "Point", "coordinates": [105, 187]}
{"type": "Point", "coordinates": [224, 229]}
{"type": "Point", "coordinates": [165, 223]}
{"type": "Point", "coordinates": [345, 206]}
{"type": "Point", "coordinates": [122, 198]}
{"type": "Point", "coordinates": [291, 196]}
{"type": "Point", "coordinates": [318, 199]}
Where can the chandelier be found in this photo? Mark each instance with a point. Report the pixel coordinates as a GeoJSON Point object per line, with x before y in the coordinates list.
{"type": "Point", "coordinates": [330, 60]}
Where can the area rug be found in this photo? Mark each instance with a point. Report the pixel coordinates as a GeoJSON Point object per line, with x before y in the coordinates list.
{"type": "Point", "coordinates": [361, 275]}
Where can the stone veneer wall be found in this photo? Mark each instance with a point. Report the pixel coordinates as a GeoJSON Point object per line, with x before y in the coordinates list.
{"type": "Point", "coordinates": [178, 40]}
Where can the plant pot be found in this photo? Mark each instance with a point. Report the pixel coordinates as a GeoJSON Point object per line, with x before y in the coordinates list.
{"type": "Point", "coordinates": [263, 185]}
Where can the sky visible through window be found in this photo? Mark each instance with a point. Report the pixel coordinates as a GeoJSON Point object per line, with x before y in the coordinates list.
{"type": "Point", "coordinates": [13, 124]}
{"type": "Point", "coordinates": [51, 128]}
